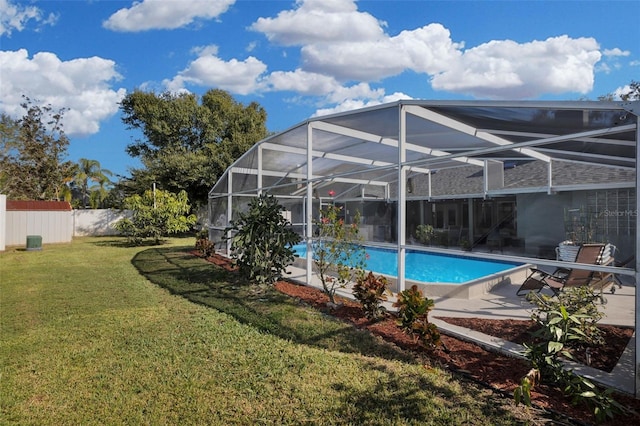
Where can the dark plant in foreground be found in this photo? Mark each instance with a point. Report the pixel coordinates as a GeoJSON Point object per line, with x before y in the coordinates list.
{"type": "Point", "coordinates": [566, 321]}
{"type": "Point", "coordinates": [262, 241]}
{"type": "Point", "coordinates": [371, 291]}
{"type": "Point", "coordinates": [413, 311]}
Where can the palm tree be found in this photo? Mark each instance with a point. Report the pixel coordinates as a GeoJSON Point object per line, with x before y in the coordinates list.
{"type": "Point", "coordinates": [90, 170]}
{"type": "Point", "coordinates": [99, 192]}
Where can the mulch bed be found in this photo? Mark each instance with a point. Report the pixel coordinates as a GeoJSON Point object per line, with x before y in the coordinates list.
{"type": "Point", "coordinates": [499, 372]}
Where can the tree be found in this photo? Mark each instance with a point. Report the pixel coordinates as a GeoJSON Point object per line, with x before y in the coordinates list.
{"type": "Point", "coordinates": [634, 92]}
{"type": "Point", "coordinates": [338, 254]}
{"type": "Point", "coordinates": [627, 93]}
{"type": "Point", "coordinates": [262, 241]}
{"type": "Point", "coordinates": [9, 131]}
{"type": "Point", "coordinates": [33, 149]}
{"type": "Point", "coordinates": [90, 171]}
{"type": "Point", "coordinates": [155, 214]}
{"type": "Point", "coordinates": [187, 145]}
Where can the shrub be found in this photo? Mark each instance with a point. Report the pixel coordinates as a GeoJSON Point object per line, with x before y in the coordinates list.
{"type": "Point", "coordinates": [156, 214]}
{"type": "Point", "coordinates": [566, 322]}
{"type": "Point", "coordinates": [371, 291]}
{"type": "Point", "coordinates": [425, 233]}
{"type": "Point", "coordinates": [571, 317]}
{"type": "Point", "coordinates": [262, 241]}
{"type": "Point", "coordinates": [338, 254]}
{"type": "Point", "coordinates": [413, 312]}
{"type": "Point", "coordinates": [205, 247]}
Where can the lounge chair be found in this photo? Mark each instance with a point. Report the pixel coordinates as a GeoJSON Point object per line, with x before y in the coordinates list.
{"type": "Point", "coordinates": [590, 254]}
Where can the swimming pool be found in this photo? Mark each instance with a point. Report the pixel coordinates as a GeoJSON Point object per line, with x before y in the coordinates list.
{"type": "Point", "coordinates": [440, 274]}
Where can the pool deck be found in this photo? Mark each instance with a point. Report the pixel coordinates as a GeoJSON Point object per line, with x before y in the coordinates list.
{"type": "Point", "coordinates": [503, 303]}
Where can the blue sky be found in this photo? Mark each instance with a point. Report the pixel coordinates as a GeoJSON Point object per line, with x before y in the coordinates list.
{"type": "Point", "coordinates": [304, 58]}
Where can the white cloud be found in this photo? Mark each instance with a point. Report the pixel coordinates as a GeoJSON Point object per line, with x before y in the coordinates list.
{"type": "Point", "coordinates": [634, 63]}
{"type": "Point", "coordinates": [302, 82]}
{"type": "Point", "coordinates": [616, 52]}
{"type": "Point", "coordinates": [320, 21]}
{"type": "Point", "coordinates": [333, 46]}
{"type": "Point", "coordinates": [352, 104]}
{"type": "Point", "coordinates": [80, 85]}
{"type": "Point", "coordinates": [425, 50]}
{"type": "Point", "coordinates": [506, 69]}
{"type": "Point", "coordinates": [166, 15]}
{"type": "Point", "coordinates": [15, 17]}
{"type": "Point", "coordinates": [357, 91]}
{"type": "Point", "coordinates": [340, 41]}
{"type": "Point", "coordinates": [240, 77]}
{"type": "Point", "coordinates": [617, 94]}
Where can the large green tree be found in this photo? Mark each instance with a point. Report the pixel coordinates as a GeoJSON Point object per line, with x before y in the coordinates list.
{"type": "Point", "coordinates": [188, 142]}
{"type": "Point", "coordinates": [32, 155]}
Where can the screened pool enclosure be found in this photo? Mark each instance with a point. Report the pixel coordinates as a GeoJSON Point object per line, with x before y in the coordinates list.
{"type": "Point", "coordinates": [504, 177]}
{"type": "Point", "coordinates": [512, 179]}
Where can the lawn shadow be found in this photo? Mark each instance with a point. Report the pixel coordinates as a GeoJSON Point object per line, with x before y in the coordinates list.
{"type": "Point", "coordinates": [123, 242]}
{"type": "Point", "coordinates": [261, 307]}
{"type": "Point", "coordinates": [394, 397]}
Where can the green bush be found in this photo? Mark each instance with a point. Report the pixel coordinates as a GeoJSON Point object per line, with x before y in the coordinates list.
{"type": "Point", "coordinates": [571, 317]}
{"type": "Point", "coordinates": [425, 233]}
{"type": "Point", "coordinates": [262, 241]}
{"type": "Point", "coordinates": [205, 247]}
{"type": "Point", "coordinates": [567, 321]}
{"type": "Point", "coordinates": [371, 291]}
{"type": "Point", "coordinates": [413, 313]}
{"type": "Point", "coordinates": [155, 214]}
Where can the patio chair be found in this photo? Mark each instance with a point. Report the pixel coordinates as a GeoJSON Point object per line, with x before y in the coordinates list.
{"type": "Point", "coordinates": [590, 254]}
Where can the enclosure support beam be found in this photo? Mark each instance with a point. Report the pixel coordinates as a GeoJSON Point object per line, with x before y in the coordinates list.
{"type": "Point", "coordinates": [430, 115]}
{"type": "Point", "coordinates": [259, 184]}
{"type": "Point", "coordinates": [402, 197]}
{"type": "Point", "coordinates": [637, 267]}
{"type": "Point", "coordinates": [309, 201]}
{"type": "Point", "coordinates": [470, 224]}
{"type": "Point", "coordinates": [229, 209]}
{"type": "Point", "coordinates": [550, 177]}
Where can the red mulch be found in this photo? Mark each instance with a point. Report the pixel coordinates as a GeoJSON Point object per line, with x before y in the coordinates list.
{"type": "Point", "coordinates": [492, 369]}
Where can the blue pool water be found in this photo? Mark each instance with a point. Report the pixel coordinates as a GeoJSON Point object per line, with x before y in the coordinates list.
{"type": "Point", "coordinates": [428, 267]}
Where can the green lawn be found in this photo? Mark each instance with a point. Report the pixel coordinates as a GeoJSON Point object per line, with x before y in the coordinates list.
{"type": "Point", "coordinates": [94, 332]}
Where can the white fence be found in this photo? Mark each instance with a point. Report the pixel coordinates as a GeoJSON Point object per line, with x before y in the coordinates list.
{"type": "Point", "coordinates": [54, 226]}
{"type": "Point", "coordinates": [3, 221]}
{"type": "Point", "coordinates": [96, 222]}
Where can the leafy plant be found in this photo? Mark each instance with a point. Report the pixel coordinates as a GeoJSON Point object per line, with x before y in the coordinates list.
{"type": "Point", "coordinates": [425, 233]}
{"type": "Point", "coordinates": [522, 393]}
{"type": "Point", "coordinates": [205, 247]}
{"type": "Point", "coordinates": [155, 214]}
{"type": "Point", "coordinates": [338, 255]}
{"type": "Point", "coordinates": [571, 317]}
{"type": "Point", "coordinates": [262, 241]}
{"type": "Point", "coordinates": [566, 322]}
{"type": "Point", "coordinates": [413, 312]}
{"type": "Point", "coordinates": [371, 291]}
